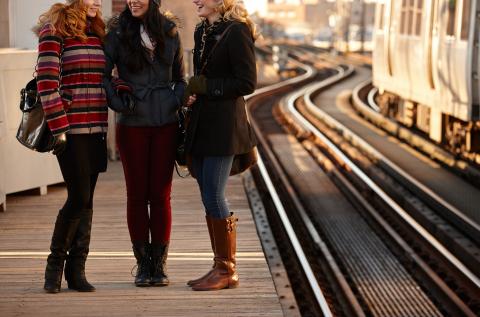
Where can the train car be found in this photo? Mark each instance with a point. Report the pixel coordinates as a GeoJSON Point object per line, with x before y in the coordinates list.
{"type": "Point", "coordinates": [426, 68]}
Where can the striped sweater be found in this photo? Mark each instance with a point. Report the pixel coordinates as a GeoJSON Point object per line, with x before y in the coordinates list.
{"type": "Point", "coordinates": [73, 101]}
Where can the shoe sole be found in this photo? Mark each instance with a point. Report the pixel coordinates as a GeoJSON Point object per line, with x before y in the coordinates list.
{"type": "Point", "coordinates": [231, 286]}
{"type": "Point", "coordinates": [82, 290]}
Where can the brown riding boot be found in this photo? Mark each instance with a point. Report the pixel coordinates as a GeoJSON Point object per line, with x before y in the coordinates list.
{"type": "Point", "coordinates": [224, 274]}
{"type": "Point", "coordinates": [212, 242]}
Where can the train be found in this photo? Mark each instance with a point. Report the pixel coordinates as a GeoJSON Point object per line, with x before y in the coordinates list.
{"type": "Point", "coordinates": [426, 68]}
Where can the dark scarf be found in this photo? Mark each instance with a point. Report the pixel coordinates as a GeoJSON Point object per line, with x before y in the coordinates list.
{"type": "Point", "coordinates": [209, 35]}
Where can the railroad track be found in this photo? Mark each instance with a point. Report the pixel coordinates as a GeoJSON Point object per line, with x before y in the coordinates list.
{"type": "Point", "coordinates": [374, 282]}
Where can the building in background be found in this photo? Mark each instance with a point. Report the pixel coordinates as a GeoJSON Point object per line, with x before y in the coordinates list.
{"type": "Point", "coordinates": [17, 17]}
{"type": "Point", "coordinates": [301, 17]}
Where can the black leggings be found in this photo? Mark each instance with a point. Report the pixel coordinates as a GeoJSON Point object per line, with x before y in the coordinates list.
{"type": "Point", "coordinates": [80, 165]}
{"type": "Point", "coordinates": [80, 181]}
{"type": "Point", "coordinates": [80, 189]}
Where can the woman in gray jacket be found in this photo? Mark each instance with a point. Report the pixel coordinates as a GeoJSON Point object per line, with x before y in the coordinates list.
{"type": "Point", "coordinates": [145, 47]}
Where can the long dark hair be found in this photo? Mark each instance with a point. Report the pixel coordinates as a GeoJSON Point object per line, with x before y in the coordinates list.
{"type": "Point", "coordinates": [154, 23]}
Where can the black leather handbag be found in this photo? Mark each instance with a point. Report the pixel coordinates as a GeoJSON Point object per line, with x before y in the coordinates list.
{"type": "Point", "coordinates": [33, 131]}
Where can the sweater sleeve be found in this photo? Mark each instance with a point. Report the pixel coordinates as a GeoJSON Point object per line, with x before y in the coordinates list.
{"type": "Point", "coordinates": [48, 80]}
{"type": "Point", "coordinates": [243, 80]}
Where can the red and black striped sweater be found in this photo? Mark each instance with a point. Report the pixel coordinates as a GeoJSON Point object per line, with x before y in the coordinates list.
{"type": "Point", "coordinates": [73, 101]}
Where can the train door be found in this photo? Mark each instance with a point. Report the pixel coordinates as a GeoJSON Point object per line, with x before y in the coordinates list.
{"type": "Point", "coordinates": [454, 57]}
{"type": "Point", "coordinates": [462, 63]}
{"type": "Point", "coordinates": [437, 28]}
{"type": "Point", "coordinates": [475, 71]}
{"type": "Point", "coordinates": [392, 27]}
{"type": "Point", "coordinates": [432, 38]}
{"type": "Point", "coordinates": [386, 10]}
{"type": "Point", "coordinates": [380, 52]}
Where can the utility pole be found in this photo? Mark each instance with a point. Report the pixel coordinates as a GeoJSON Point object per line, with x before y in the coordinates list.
{"type": "Point", "coordinates": [343, 11]}
{"type": "Point", "coordinates": [362, 26]}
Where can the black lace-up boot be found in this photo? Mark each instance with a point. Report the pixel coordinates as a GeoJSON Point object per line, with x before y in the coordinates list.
{"type": "Point", "coordinates": [141, 250]}
{"type": "Point", "coordinates": [159, 264]}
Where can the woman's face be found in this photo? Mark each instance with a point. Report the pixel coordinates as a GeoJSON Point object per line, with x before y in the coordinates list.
{"type": "Point", "coordinates": [93, 6]}
{"type": "Point", "coordinates": [206, 8]}
{"type": "Point", "coordinates": [138, 7]}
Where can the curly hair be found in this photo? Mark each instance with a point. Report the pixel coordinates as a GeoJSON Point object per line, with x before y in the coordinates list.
{"type": "Point", "coordinates": [70, 20]}
{"type": "Point", "coordinates": [154, 23]}
{"type": "Point", "coordinates": [233, 10]}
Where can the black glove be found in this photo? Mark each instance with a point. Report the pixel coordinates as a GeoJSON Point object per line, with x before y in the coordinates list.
{"type": "Point", "coordinates": [129, 102]}
{"type": "Point", "coordinates": [197, 85]}
{"type": "Point", "coordinates": [186, 95]}
{"type": "Point", "coordinates": [59, 144]}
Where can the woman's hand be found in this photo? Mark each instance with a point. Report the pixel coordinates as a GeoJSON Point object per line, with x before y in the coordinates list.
{"type": "Point", "coordinates": [191, 100]}
{"type": "Point", "coordinates": [198, 85]}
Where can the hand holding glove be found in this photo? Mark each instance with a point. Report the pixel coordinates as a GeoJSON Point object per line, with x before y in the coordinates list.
{"type": "Point", "coordinates": [197, 85]}
{"type": "Point", "coordinates": [186, 95]}
{"type": "Point", "coordinates": [129, 102]}
{"type": "Point", "coordinates": [125, 92]}
{"type": "Point", "coordinates": [59, 144]}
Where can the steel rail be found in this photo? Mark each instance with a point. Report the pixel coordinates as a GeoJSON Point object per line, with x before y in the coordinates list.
{"type": "Point", "coordinates": [371, 98]}
{"type": "Point", "coordinates": [320, 297]}
{"type": "Point", "coordinates": [307, 93]}
{"type": "Point", "coordinates": [354, 307]}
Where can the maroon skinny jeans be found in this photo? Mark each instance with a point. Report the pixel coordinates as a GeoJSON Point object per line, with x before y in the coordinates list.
{"type": "Point", "coordinates": [148, 158]}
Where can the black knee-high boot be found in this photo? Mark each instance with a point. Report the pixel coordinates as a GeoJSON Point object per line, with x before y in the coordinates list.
{"type": "Point", "coordinates": [77, 256]}
{"type": "Point", "coordinates": [63, 233]}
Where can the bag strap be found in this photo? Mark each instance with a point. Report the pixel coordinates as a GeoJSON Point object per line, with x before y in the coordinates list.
{"type": "Point", "coordinates": [224, 33]}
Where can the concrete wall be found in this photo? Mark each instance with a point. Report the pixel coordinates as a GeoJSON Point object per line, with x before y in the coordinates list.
{"type": "Point", "coordinates": [4, 35]}
{"type": "Point", "coordinates": [20, 168]}
{"type": "Point", "coordinates": [3, 133]}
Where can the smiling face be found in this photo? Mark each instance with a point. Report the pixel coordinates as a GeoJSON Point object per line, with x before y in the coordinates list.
{"type": "Point", "coordinates": [93, 7]}
{"type": "Point", "coordinates": [207, 8]}
{"type": "Point", "coordinates": [138, 7]}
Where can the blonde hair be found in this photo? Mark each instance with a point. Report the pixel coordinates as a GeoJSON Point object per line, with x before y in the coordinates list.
{"type": "Point", "coordinates": [232, 10]}
{"type": "Point", "coordinates": [70, 20]}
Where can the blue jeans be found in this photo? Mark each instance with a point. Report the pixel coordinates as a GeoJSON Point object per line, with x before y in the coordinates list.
{"type": "Point", "coordinates": [212, 174]}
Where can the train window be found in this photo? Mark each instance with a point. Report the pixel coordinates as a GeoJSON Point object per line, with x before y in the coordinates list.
{"type": "Point", "coordinates": [465, 19]}
{"type": "Point", "coordinates": [418, 18]}
{"type": "Point", "coordinates": [411, 15]}
{"type": "Point", "coordinates": [403, 19]}
{"type": "Point", "coordinates": [452, 5]}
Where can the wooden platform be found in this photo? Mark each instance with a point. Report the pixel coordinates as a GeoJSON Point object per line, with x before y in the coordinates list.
{"type": "Point", "coordinates": [25, 232]}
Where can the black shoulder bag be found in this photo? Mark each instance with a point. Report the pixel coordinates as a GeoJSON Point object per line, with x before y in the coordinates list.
{"type": "Point", "coordinates": [33, 131]}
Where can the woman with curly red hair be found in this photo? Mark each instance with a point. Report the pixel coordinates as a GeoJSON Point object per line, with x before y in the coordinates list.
{"type": "Point", "coordinates": [70, 69]}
